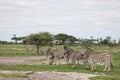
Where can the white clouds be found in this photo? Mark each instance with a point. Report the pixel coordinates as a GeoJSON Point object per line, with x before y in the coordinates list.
{"type": "Point", "coordinates": [86, 17]}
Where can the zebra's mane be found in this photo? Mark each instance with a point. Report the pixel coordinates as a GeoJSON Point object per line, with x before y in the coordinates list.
{"type": "Point", "coordinates": [91, 50]}
{"type": "Point", "coordinates": [67, 48]}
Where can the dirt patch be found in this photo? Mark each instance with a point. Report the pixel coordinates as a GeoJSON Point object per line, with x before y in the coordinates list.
{"type": "Point", "coordinates": [14, 72]}
{"type": "Point", "coordinates": [12, 78]}
{"type": "Point", "coordinates": [47, 75]}
{"type": "Point", "coordinates": [60, 76]}
{"type": "Point", "coordinates": [28, 60]}
{"type": "Point", "coordinates": [23, 60]}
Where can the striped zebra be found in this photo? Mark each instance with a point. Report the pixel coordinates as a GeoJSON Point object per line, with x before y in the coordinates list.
{"type": "Point", "coordinates": [45, 52]}
{"type": "Point", "coordinates": [93, 57]}
{"type": "Point", "coordinates": [74, 56]}
{"type": "Point", "coordinates": [68, 52]}
{"type": "Point", "coordinates": [30, 49]}
{"type": "Point", "coordinates": [56, 55]}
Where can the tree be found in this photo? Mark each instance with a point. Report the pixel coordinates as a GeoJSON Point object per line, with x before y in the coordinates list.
{"type": "Point", "coordinates": [119, 41]}
{"type": "Point", "coordinates": [16, 39]}
{"type": "Point", "coordinates": [86, 42]}
{"type": "Point", "coordinates": [61, 38]}
{"type": "Point", "coordinates": [71, 39]}
{"type": "Point", "coordinates": [91, 37]}
{"type": "Point", "coordinates": [105, 41]}
{"type": "Point", "coordinates": [39, 39]}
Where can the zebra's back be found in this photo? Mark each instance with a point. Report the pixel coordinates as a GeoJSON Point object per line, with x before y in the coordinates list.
{"type": "Point", "coordinates": [99, 57]}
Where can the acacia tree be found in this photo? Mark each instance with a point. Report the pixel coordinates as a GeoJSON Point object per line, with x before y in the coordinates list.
{"type": "Point", "coordinates": [64, 38]}
{"type": "Point", "coordinates": [39, 39]}
{"type": "Point", "coordinates": [16, 39]}
{"type": "Point", "coordinates": [72, 39]}
{"type": "Point", "coordinates": [61, 38]}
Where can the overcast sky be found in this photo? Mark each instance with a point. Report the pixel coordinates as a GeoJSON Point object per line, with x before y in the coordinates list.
{"type": "Point", "coordinates": [80, 18]}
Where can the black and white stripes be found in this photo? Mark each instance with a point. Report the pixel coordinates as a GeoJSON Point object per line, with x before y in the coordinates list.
{"type": "Point", "coordinates": [94, 58]}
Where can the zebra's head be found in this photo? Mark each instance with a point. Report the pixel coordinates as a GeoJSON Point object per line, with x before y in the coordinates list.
{"type": "Point", "coordinates": [68, 51]}
{"type": "Point", "coordinates": [87, 51]}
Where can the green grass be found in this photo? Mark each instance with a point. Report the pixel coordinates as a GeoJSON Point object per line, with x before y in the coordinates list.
{"type": "Point", "coordinates": [17, 50]}
{"type": "Point", "coordinates": [42, 60]}
{"type": "Point", "coordinates": [112, 75]}
{"type": "Point", "coordinates": [44, 67]}
{"type": "Point", "coordinates": [60, 68]}
{"type": "Point", "coordinates": [13, 75]}
{"type": "Point", "coordinates": [63, 68]}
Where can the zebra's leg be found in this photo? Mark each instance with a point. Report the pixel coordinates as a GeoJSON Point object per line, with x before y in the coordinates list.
{"type": "Point", "coordinates": [109, 66]}
{"type": "Point", "coordinates": [93, 66]}
{"type": "Point", "coordinates": [55, 61]}
{"type": "Point", "coordinates": [73, 63]}
{"type": "Point", "coordinates": [58, 60]}
{"type": "Point", "coordinates": [51, 60]}
{"type": "Point", "coordinates": [106, 67]}
{"type": "Point", "coordinates": [85, 63]}
{"type": "Point", "coordinates": [67, 60]}
{"type": "Point", "coordinates": [78, 61]}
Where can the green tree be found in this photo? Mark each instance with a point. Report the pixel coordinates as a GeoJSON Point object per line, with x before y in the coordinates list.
{"type": "Point", "coordinates": [71, 39]}
{"type": "Point", "coordinates": [39, 39]}
{"type": "Point", "coordinates": [64, 39]}
{"type": "Point", "coordinates": [61, 38]}
{"type": "Point", "coordinates": [16, 39]}
{"type": "Point", "coordinates": [105, 41]}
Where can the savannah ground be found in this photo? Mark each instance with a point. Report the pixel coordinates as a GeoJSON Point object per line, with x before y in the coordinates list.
{"type": "Point", "coordinates": [18, 64]}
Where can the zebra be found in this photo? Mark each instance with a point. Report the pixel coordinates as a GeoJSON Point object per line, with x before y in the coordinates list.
{"type": "Point", "coordinates": [68, 52]}
{"type": "Point", "coordinates": [30, 49]}
{"type": "Point", "coordinates": [73, 55]}
{"type": "Point", "coordinates": [76, 56]}
{"type": "Point", "coordinates": [45, 52]}
{"type": "Point", "coordinates": [55, 56]}
{"type": "Point", "coordinates": [93, 57]}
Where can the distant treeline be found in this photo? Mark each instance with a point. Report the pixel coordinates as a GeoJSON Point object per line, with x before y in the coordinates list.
{"type": "Point", "coordinates": [61, 39]}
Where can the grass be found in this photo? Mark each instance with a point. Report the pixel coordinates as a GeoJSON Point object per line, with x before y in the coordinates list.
{"type": "Point", "coordinates": [13, 75]}
{"type": "Point", "coordinates": [112, 75]}
{"type": "Point", "coordinates": [42, 60]}
{"type": "Point", "coordinates": [34, 68]}
{"type": "Point", "coordinates": [15, 50]}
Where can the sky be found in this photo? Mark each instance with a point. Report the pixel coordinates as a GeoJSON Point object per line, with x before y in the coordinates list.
{"type": "Point", "coordinates": [80, 18]}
